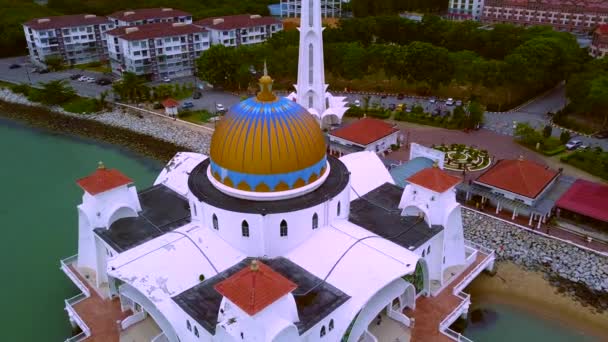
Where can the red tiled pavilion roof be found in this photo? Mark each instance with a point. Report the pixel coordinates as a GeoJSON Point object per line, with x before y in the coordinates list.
{"type": "Point", "coordinates": [586, 198]}
{"type": "Point", "coordinates": [365, 131]}
{"type": "Point", "coordinates": [103, 180]}
{"type": "Point", "coordinates": [252, 289]}
{"type": "Point", "coordinates": [433, 178]}
{"type": "Point", "coordinates": [168, 103]}
{"type": "Point", "coordinates": [523, 177]}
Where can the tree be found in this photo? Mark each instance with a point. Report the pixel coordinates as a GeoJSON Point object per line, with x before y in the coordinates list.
{"type": "Point", "coordinates": [527, 135]}
{"type": "Point", "coordinates": [56, 92]}
{"type": "Point", "coordinates": [102, 103]}
{"type": "Point", "coordinates": [131, 88]}
{"type": "Point", "coordinates": [475, 110]}
{"type": "Point", "coordinates": [218, 65]}
{"type": "Point", "coordinates": [564, 137]}
{"type": "Point", "coordinates": [54, 62]}
{"type": "Point", "coordinates": [547, 130]}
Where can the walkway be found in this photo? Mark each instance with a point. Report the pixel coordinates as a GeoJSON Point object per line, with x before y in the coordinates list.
{"type": "Point", "coordinates": [100, 315]}
{"type": "Point", "coordinates": [430, 311]}
{"type": "Point", "coordinates": [552, 231]}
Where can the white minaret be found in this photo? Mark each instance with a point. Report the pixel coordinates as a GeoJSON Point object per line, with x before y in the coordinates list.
{"type": "Point", "coordinates": [311, 90]}
{"type": "Point", "coordinates": [311, 85]}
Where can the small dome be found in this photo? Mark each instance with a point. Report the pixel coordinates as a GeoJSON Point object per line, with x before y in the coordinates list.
{"type": "Point", "coordinates": [267, 144]}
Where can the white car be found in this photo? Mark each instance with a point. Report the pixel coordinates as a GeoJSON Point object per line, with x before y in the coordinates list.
{"type": "Point", "coordinates": [357, 103]}
{"type": "Point", "coordinates": [166, 80]}
{"type": "Point", "coordinates": [90, 80]}
{"type": "Point", "coordinates": [82, 79]}
{"type": "Point", "coordinates": [572, 144]}
{"type": "Point", "coordinates": [432, 100]}
{"type": "Point", "coordinates": [219, 107]}
{"type": "Point", "coordinates": [449, 102]}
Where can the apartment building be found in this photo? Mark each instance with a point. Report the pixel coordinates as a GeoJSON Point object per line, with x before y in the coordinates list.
{"type": "Point", "coordinates": [563, 15]}
{"type": "Point", "coordinates": [157, 50]}
{"type": "Point", "coordinates": [149, 16]}
{"type": "Point", "coordinates": [329, 8]}
{"type": "Point", "coordinates": [465, 9]}
{"type": "Point", "coordinates": [235, 30]}
{"type": "Point", "coordinates": [599, 42]}
{"type": "Point", "coordinates": [77, 39]}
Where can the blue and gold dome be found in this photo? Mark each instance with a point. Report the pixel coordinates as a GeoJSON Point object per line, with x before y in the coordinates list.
{"type": "Point", "coordinates": [267, 144]}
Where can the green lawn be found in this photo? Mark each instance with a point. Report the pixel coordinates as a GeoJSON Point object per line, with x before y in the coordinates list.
{"type": "Point", "coordinates": [81, 105]}
{"type": "Point", "coordinates": [196, 117]}
{"type": "Point", "coordinates": [94, 66]}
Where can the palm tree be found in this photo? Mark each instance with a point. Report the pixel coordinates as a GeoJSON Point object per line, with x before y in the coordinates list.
{"type": "Point", "coordinates": [56, 92]}
{"type": "Point", "coordinates": [131, 87]}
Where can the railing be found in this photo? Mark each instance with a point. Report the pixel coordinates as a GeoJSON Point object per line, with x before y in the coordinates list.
{"type": "Point", "coordinates": [456, 336]}
{"type": "Point", "coordinates": [474, 272]}
{"type": "Point", "coordinates": [472, 256]}
{"type": "Point", "coordinates": [74, 316]}
{"type": "Point", "coordinates": [65, 267]}
{"type": "Point", "coordinates": [77, 338]}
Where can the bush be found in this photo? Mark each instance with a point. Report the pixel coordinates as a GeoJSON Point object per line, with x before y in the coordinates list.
{"type": "Point", "coordinates": [594, 161]}
{"type": "Point", "coordinates": [82, 105]}
{"type": "Point", "coordinates": [554, 151]}
{"type": "Point", "coordinates": [21, 89]}
{"type": "Point", "coordinates": [564, 137]}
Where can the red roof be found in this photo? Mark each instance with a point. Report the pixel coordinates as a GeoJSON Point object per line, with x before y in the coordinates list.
{"type": "Point", "coordinates": [168, 103]}
{"type": "Point", "coordinates": [580, 6]}
{"type": "Point", "coordinates": [155, 30]}
{"type": "Point", "coordinates": [253, 290]}
{"type": "Point", "coordinates": [602, 29]}
{"type": "Point", "coordinates": [103, 180]}
{"type": "Point", "coordinates": [586, 198]}
{"type": "Point", "coordinates": [365, 131]}
{"type": "Point", "coordinates": [56, 22]}
{"type": "Point", "coordinates": [520, 176]}
{"type": "Point", "coordinates": [148, 13]}
{"type": "Point", "coordinates": [231, 22]}
{"type": "Point", "coordinates": [433, 178]}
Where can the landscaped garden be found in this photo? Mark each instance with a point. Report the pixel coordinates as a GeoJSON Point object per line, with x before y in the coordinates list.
{"type": "Point", "coordinates": [459, 157]}
{"type": "Point", "coordinates": [541, 141]}
{"type": "Point", "coordinates": [592, 160]}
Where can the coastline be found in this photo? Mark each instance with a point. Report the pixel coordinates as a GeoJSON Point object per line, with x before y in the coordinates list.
{"type": "Point", "coordinates": [145, 134]}
{"type": "Point", "coordinates": [515, 286]}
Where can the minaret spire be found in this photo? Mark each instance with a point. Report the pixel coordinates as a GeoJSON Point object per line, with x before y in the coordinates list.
{"type": "Point", "coordinates": [265, 69]}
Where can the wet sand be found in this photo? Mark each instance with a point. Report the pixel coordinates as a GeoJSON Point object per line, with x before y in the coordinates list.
{"type": "Point", "coordinates": [515, 286]}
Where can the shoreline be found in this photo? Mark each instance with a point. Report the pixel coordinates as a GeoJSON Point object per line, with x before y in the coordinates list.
{"type": "Point", "coordinates": [515, 286]}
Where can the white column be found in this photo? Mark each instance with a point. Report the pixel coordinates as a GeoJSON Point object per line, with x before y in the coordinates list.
{"type": "Point", "coordinates": [531, 219]}
{"type": "Point", "coordinates": [497, 207]}
{"type": "Point", "coordinates": [514, 214]}
{"type": "Point", "coordinates": [539, 222]}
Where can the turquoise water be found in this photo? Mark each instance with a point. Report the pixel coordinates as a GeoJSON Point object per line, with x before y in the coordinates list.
{"type": "Point", "coordinates": [39, 227]}
{"type": "Point", "coordinates": [504, 323]}
{"type": "Point", "coordinates": [39, 222]}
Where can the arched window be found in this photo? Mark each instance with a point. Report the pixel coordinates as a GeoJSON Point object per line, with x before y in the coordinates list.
{"type": "Point", "coordinates": [423, 253]}
{"type": "Point", "coordinates": [323, 331]}
{"type": "Point", "coordinates": [310, 64]}
{"type": "Point", "coordinates": [310, 102]}
{"type": "Point", "coordinates": [188, 325]}
{"type": "Point", "coordinates": [283, 230]}
{"type": "Point", "coordinates": [315, 221]}
{"type": "Point", "coordinates": [216, 226]}
{"type": "Point", "coordinates": [245, 228]}
{"type": "Point", "coordinates": [338, 208]}
{"type": "Point", "coordinates": [331, 324]}
{"type": "Point", "coordinates": [310, 12]}
{"type": "Point", "coordinates": [428, 250]}
{"type": "Point", "coordinates": [196, 331]}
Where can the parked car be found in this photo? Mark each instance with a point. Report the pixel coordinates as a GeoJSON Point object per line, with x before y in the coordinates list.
{"type": "Point", "coordinates": [90, 80]}
{"type": "Point", "coordinates": [392, 106]}
{"type": "Point", "coordinates": [220, 108]}
{"type": "Point", "coordinates": [583, 147]}
{"type": "Point", "coordinates": [75, 77]}
{"type": "Point", "coordinates": [82, 79]}
{"type": "Point", "coordinates": [601, 135]}
{"type": "Point", "coordinates": [400, 97]}
{"type": "Point", "coordinates": [187, 105]}
{"type": "Point", "coordinates": [44, 71]}
{"type": "Point", "coordinates": [573, 144]}
{"type": "Point", "coordinates": [14, 66]}
{"type": "Point", "coordinates": [357, 103]}
{"type": "Point", "coordinates": [383, 96]}
{"type": "Point", "coordinates": [449, 102]}
{"type": "Point", "coordinates": [197, 95]}
{"type": "Point", "coordinates": [458, 103]}
{"type": "Point", "coordinates": [432, 100]}
{"type": "Point", "coordinates": [103, 81]}
{"type": "Point", "coordinates": [166, 80]}
{"type": "Point", "coordinates": [401, 106]}
{"type": "Point", "coordinates": [408, 110]}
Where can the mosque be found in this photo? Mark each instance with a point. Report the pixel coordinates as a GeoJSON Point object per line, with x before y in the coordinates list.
{"type": "Point", "coordinates": [268, 238]}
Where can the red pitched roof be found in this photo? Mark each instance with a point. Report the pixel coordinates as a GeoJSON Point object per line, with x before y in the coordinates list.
{"type": "Point", "coordinates": [168, 103]}
{"type": "Point", "coordinates": [365, 131]}
{"type": "Point", "coordinates": [602, 29]}
{"type": "Point", "coordinates": [523, 177]}
{"type": "Point", "coordinates": [253, 290]}
{"type": "Point", "coordinates": [103, 180]}
{"type": "Point", "coordinates": [586, 198]}
{"type": "Point", "coordinates": [433, 178]}
{"type": "Point", "coordinates": [148, 13]}
{"type": "Point", "coordinates": [155, 30]}
{"type": "Point", "coordinates": [47, 23]}
{"type": "Point", "coordinates": [231, 22]}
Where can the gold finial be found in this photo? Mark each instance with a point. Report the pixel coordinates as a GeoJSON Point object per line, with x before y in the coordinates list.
{"type": "Point", "coordinates": [100, 166]}
{"type": "Point", "coordinates": [265, 93]}
{"type": "Point", "coordinates": [254, 266]}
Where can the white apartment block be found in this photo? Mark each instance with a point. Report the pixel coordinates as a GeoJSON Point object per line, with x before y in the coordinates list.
{"type": "Point", "coordinates": [465, 9]}
{"type": "Point", "coordinates": [236, 30]}
{"type": "Point", "coordinates": [157, 50]}
{"type": "Point", "coordinates": [149, 16]}
{"type": "Point", "coordinates": [329, 8]}
{"type": "Point", "coordinates": [77, 39]}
